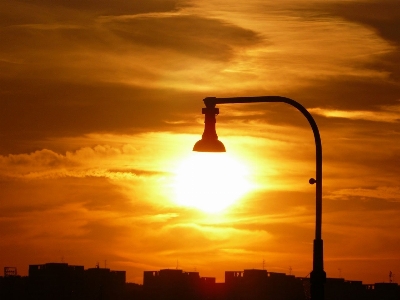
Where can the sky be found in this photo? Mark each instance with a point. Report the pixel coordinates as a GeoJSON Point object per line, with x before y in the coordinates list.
{"type": "Point", "coordinates": [101, 104]}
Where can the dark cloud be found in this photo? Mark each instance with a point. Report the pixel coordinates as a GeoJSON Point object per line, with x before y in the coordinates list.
{"type": "Point", "coordinates": [353, 91]}
{"type": "Point", "coordinates": [193, 35]}
{"type": "Point", "coordinates": [102, 233]}
{"type": "Point", "coordinates": [390, 63]}
{"type": "Point", "coordinates": [349, 93]}
{"type": "Point", "coordinates": [44, 196]}
{"type": "Point", "coordinates": [43, 110]}
{"type": "Point", "coordinates": [44, 11]}
{"type": "Point", "coordinates": [117, 7]}
{"type": "Point", "coordinates": [384, 18]}
{"type": "Point", "coordinates": [48, 46]}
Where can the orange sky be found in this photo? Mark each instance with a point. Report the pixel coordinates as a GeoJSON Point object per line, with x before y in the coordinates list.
{"type": "Point", "coordinates": [101, 104]}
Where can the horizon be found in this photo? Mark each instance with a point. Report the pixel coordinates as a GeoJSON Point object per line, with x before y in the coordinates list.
{"type": "Point", "coordinates": [102, 103]}
{"type": "Point", "coordinates": [391, 276]}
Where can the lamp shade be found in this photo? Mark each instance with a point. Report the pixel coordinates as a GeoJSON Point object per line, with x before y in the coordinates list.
{"type": "Point", "coordinates": [209, 145]}
{"type": "Point", "coordinates": [209, 141]}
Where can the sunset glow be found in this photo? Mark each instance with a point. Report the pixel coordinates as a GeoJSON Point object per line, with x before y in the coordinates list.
{"type": "Point", "coordinates": [210, 182]}
{"type": "Point", "coordinates": [101, 104]}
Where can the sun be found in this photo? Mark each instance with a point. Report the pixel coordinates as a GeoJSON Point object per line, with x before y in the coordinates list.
{"type": "Point", "coordinates": [210, 182]}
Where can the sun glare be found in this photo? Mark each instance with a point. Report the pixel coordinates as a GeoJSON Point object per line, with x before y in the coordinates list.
{"type": "Point", "coordinates": [210, 182]}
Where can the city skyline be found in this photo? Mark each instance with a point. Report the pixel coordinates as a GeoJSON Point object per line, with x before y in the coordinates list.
{"type": "Point", "coordinates": [11, 271]}
{"type": "Point", "coordinates": [64, 281]}
{"type": "Point", "coordinates": [101, 106]}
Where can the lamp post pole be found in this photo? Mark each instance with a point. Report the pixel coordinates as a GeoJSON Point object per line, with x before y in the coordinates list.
{"type": "Point", "coordinates": [317, 275]}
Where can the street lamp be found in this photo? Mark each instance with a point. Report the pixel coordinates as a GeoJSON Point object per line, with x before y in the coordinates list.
{"type": "Point", "coordinates": [210, 143]}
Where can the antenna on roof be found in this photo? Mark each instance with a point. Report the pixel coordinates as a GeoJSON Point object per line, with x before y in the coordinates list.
{"type": "Point", "coordinates": [263, 264]}
{"type": "Point", "coordinates": [391, 276]}
{"type": "Point", "coordinates": [290, 270]}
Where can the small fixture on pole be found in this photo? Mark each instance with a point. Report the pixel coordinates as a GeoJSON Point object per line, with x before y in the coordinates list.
{"type": "Point", "coordinates": [209, 141]}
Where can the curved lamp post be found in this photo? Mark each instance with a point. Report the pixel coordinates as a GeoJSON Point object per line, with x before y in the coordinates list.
{"type": "Point", "coordinates": [210, 143]}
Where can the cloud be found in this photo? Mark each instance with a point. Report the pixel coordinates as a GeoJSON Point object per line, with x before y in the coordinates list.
{"type": "Point", "coordinates": [388, 193]}
{"type": "Point", "coordinates": [28, 12]}
{"type": "Point", "coordinates": [384, 18]}
{"type": "Point", "coordinates": [37, 113]}
{"type": "Point", "coordinates": [389, 114]}
{"type": "Point", "coordinates": [44, 158]}
{"type": "Point", "coordinates": [22, 197]}
{"type": "Point", "coordinates": [84, 162]}
{"type": "Point", "coordinates": [201, 37]}
{"type": "Point", "coordinates": [346, 92]}
{"type": "Point", "coordinates": [115, 74]}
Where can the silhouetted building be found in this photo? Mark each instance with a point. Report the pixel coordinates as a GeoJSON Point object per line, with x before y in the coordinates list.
{"type": "Point", "coordinates": [64, 282]}
{"type": "Point", "coordinates": [339, 288]}
{"type": "Point", "coordinates": [172, 284]}
{"type": "Point", "coordinates": [104, 284]}
{"type": "Point", "coordinates": [56, 281]}
{"type": "Point", "coordinates": [259, 284]}
{"type": "Point", "coordinates": [134, 291]}
{"type": "Point", "coordinates": [12, 286]}
{"type": "Point", "coordinates": [385, 291]}
{"type": "Point", "coordinates": [208, 288]}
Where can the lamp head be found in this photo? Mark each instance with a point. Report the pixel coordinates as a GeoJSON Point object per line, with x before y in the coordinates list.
{"type": "Point", "coordinates": [209, 141]}
{"type": "Point", "coordinates": [209, 145]}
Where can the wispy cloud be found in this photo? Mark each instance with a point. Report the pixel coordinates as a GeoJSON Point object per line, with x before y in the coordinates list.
{"type": "Point", "coordinates": [389, 193]}
{"type": "Point", "coordinates": [389, 114]}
